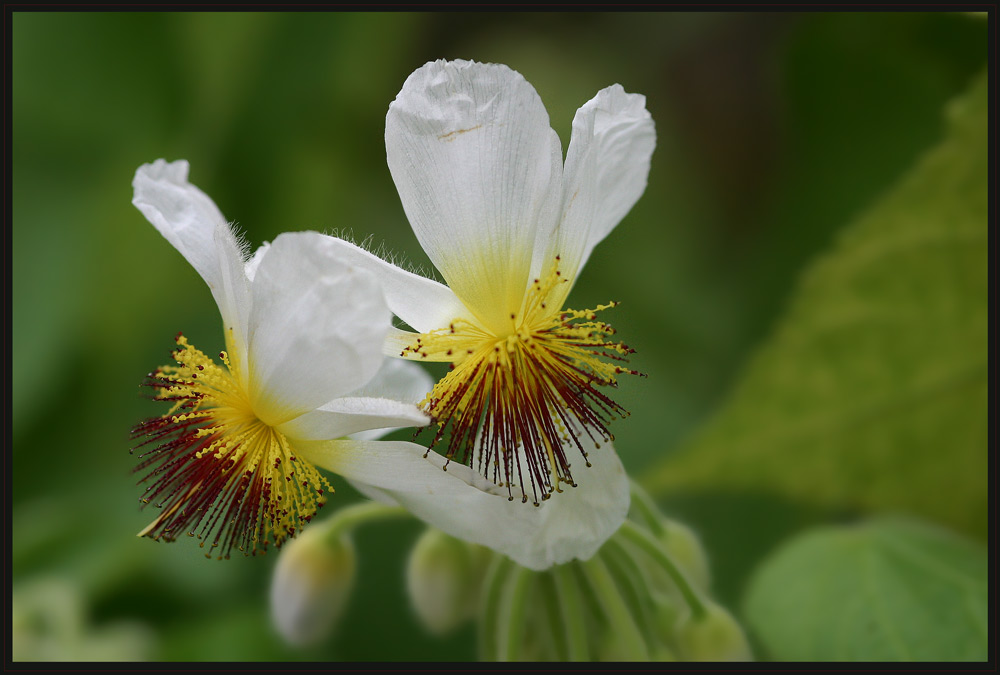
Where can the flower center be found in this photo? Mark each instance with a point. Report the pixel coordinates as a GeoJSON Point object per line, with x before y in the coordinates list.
{"type": "Point", "coordinates": [218, 472]}
{"type": "Point", "coordinates": [516, 404]}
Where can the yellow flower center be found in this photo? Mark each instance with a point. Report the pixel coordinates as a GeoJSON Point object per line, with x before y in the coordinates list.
{"type": "Point", "coordinates": [218, 472]}
{"type": "Point", "coordinates": [516, 403]}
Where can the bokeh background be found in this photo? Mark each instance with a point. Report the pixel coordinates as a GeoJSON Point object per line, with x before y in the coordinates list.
{"type": "Point", "coordinates": [774, 131]}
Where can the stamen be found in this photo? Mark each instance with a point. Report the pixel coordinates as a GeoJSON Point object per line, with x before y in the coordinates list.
{"type": "Point", "coordinates": [515, 404]}
{"type": "Point", "coordinates": [220, 473]}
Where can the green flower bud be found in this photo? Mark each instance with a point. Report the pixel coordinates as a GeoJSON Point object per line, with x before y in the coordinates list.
{"type": "Point", "coordinates": [640, 598]}
{"type": "Point", "coordinates": [312, 584]}
{"type": "Point", "coordinates": [684, 547]}
{"type": "Point", "coordinates": [668, 613]}
{"type": "Point", "coordinates": [713, 637]}
{"type": "Point", "coordinates": [680, 542]}
{"type": "Point", "coordinates": [443, 577]}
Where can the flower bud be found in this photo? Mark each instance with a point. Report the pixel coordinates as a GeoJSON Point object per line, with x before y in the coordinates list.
{"type": "Point", "coordinates": [312, 584]}
{"type": "Point", "coordinates": [443, 577]}
{"type": "Point", "coordinates": [684, 548]}
{"type": "Point", "coordinates": [714, 637]}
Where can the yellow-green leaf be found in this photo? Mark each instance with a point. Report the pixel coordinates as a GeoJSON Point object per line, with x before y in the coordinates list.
{"type": "Point", "coordinates": [872, 391]}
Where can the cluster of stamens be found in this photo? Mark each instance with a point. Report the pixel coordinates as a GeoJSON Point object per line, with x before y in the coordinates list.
{"type": "Point", "coordinates": [219, 473]}
{"type": "Point", "coordinates": [516, 405]}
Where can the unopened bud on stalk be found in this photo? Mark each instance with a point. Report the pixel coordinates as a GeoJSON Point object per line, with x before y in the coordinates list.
{"type": "Point", "coordinates": [684, 547]}
{"type": "Point", "coordinates": [715, 636]}
{"type": "Point", "coordinates": [312, 584]}
{"type": "Point", "coordinates": [443, 577]}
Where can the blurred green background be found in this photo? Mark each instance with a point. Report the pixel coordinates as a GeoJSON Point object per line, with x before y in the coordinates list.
{"type": "Point", "coordinates": [774, 132]}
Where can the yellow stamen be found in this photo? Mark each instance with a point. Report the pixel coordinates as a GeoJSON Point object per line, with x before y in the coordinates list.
{"type": "Point", "coordinates": [514, 403]}
{"type": "Point", "coordinates": [217, 468]}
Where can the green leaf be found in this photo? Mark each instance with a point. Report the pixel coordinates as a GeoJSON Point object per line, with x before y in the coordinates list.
{"type": "Point", "coordinates": [888, 590]}
{"type": "Point", "coordinates": [872, 391]}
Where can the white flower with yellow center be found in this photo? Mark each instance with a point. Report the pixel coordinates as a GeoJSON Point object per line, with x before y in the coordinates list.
{"type": "Point", "coordinates": [229, 463]}
{"type": "Point", "coordinates": [481, 177]}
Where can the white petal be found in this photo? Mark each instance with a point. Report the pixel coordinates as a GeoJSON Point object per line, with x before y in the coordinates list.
{"type": "Point", "coordinates": [181, 212]}
{"type": "Point", "coordinates": [397, 380]}
{"type": "Point", "coordinates": [190, 221]}
{"type": "Point", "coordinates": [421, 302]}
{"type": "Point", "coordinates": [479, 174]}
{"type": "Point", "coordinates": [607, 166]}
{"type": "Point", "coordinates": [463, 504]}
{"type": "Point", "coordinates": [233, 297]}
{"type": "Point", "coordinates": [251, 266]}
{"type": "Point", "coordinates": [316, 327]}
{"type": "Point", "coordinates": [348, 415]}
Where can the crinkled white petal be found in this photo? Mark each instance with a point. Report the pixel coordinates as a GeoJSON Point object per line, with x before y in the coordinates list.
{"type": "Point", "coordinates": [190, 221]}
{"type": "Point", "coordinates": [182, 213]}
{"type": "Point", "coordinates": [478, 170]}
{"type": "Point", "coordinates": [607, 165]}
{"type": "Point", "coordinates": [421, 302]}
{"type": "Point", "coordinates": [352, 414]}
{"type": "Point", "coordinates": [316, 327]}
{"type": "Point", "coordinates": [463, 504]}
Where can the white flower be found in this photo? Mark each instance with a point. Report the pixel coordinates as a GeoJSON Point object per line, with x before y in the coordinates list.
{"type": "Point", "coordinates": [482, 181]}
{"type": "Point", "coordinates": [229, 462]}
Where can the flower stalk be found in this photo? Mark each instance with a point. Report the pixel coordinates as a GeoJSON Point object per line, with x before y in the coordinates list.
{"type": "Point", "coordinates": [346, 519]}
{"type": "Point", "coordinates": [571, 613]}
{"type": "Point", "coordinates": [630, 532]}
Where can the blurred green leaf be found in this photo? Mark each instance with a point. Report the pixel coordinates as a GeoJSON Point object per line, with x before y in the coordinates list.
{"type": "Point", "coordinates": [872, 391]}
{"type": "Point", "coordinates": [888, 590]}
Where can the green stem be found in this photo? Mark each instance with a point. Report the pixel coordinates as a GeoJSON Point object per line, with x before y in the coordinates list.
{"type": "Point", "coordinates": [572, 613]}
{"type": "Point", "coordinates": [648, 544]}
{"type": "Point", "coordinates": [619, 617]}
{"type": "Point", "coordinates": [646, 509]}
{"type": "Point", "coordinates": [621, 563]}
{"type": "Point", "coordinates": [513, 619]}
{"type": "Point", "coordinates": [349, 517]}
{"type": "Point", "coordinates": [492, 591]}
{"type": "Point", "coordinates": [553, 643]}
